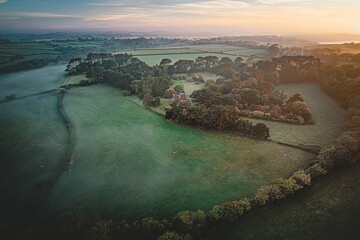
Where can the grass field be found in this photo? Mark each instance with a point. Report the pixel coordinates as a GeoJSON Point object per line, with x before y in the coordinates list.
{"type": "Point", "coordinates": [161, 51]}
{"type": "Point", "coordinates": [329, 118]}
{"type": "Point", "coordinates": [154, 56]}
{"type": "Point", "coordinates": [23, 49]}
{"type": "Point", "coordinates": [124, 164]}
{"type": "Point", "coordinates": [32, 141]}
{"type": "Point", "coordinates": [40, 50]}
{"type": "Point", "coordinates": [156, 59]}
{"type": "Point", "coordinates": [32, 81]}
{"type": "Point", "coordinates": [328, 210]}
{"type": "Point", "coordinates": [77, 79]}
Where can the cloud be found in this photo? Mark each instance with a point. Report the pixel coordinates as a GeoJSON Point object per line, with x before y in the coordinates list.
{"type": "Point", "coordinates": [106, 4]}
{"type": "Point", "coordinates": [44, 15]}
{"type": "Point", "coordinates": [114, 17]}
{"type": "Point", "coordinates": [221, 5]}
{"type": "Point", "coordinates": [3, 1]}
{"type": "Point", "coordinates": [280, 1]}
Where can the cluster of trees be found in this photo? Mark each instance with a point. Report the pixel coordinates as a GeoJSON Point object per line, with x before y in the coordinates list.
{"type": "Point", "coordinates": [127, 73]}
{"type": "Point", "coordinates": [217, 117]}
{"type": "Point", "coordinates": [246, 87]}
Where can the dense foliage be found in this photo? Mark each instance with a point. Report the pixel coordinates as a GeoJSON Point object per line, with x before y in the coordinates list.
{"type": "Point", "coordinates": [217, 117]}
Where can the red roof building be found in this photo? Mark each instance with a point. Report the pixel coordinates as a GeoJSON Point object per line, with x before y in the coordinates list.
{"type": "Point", "coordinates": [180, 96]}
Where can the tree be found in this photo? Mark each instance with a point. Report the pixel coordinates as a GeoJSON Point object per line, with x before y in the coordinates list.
{"type": "Point", "coordinates": [62, 90]}
{"type": "Point", "coordinates": [148, 99]}
{"type": "Point", "coordinates": [261, 131]}
{"type": "Point", "coordinates": [169, 93]}
{"type": "Point", "coordinates": [174, 236]}
{"type": "Point", "coordinates": [250, 60]}
{"type": "Point", "coordinates": [165, 61]}
{"type": "Point", "coordinates": [238, 60]}
{"type": "Point", "coordinates": [273, 50]}
{"type": "Point", "coordinates": [110, 63]}
{"type": "Point", "coordinates": [208, 82]}
{"type": "Point", "coordinates": [179, 88]}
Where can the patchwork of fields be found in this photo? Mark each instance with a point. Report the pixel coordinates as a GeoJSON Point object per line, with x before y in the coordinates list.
{"type": "Point", "coordinates": [39, 50]}
{"type": "Point", "coordinates": [153, 56]}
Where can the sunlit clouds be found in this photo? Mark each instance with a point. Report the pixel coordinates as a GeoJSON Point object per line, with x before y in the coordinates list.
{"type": "Point", "coordinates": [223, 16]}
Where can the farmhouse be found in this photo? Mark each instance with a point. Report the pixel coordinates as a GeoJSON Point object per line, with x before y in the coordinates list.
{"type": "Point", "coordinates": [180, 96]}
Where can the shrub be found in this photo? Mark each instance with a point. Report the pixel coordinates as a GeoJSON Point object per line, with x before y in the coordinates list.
{"type": "Point", "coordinates": [275, 111]}
{"type": "Point", "coordinates": [302, 179]}
{"type": "Point", "coordinates": [190, 221]}
{"type": "Point", "coordinates": [101, 230]}
{"type": "Point", "coordinates": [174, 236]}
{"type": "Point", "coordinates": [208, 82]}
{"type": "Point", "coordinates": [348, 142]}
{"type": "Point", "coordinates": [126, 93]}
{"type": "Point", "coordinates": [298, 107]}
{"type": "Point", "coordinates": [258, 114]}
{"type": "Point", "coordinates": [229, 211]}
{"type": "Point", "coordinates": [151, 227]}
{"type": "Point", "coordinates": [62, 90]}
{"type": "Point", "coordinates": [333, 155]}
{"type": "Point", "coordinates": [317, 170]}
{"type": "Point", "coordinates": [261, 197]}
{"type": "Point", "coordinates": [169, 93]}
{"type": "Point", "coordinates": [179, 88]}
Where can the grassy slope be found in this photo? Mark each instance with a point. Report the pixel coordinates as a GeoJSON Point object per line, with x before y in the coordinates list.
{"type": "Point", "coordinates": [124, 165]}
{"type": "Point", "coordinates": [329, 210]}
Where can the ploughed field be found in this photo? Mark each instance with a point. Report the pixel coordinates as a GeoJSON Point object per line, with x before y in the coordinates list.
{"type": "Point", "coordinates": [128, 162]}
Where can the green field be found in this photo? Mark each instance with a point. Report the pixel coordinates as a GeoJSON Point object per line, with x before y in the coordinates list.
{"type": "Point", "coordinates": [27, 49]}
{"type": "Point", "coordinates": [153, 56]}
{"type": "Point", "coordinates": [329, 118]}
{"type": "Point", "coordinates": [77, 79]}
{"type": "Point", "coordinates": [161, 51]}
{"type": "Point", "coordinates": [32, 141]}
{"type": "Point", "coordinates": [329, 210]}
{"type": "Point", "coordinates": [32, 81]}
{"type": "Point", "coordinates": [124, 164]}
{"type": "Point", "coordinates": [156, 59]}
{"type": "Point", "coordinates": [247, 52]}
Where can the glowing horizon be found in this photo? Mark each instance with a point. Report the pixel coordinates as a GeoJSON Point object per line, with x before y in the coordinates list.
{"type": "Point", "coordinates": [223, 16]}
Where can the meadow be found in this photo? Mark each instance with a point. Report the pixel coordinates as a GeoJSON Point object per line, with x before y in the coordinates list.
{"type": "Point", "coordinates": [42, 50]}
{"type": "Point", "coordinates": [328, 210]}
{"type": "Point", "coordinates": [130, 163]}
{"type": "Point", "coordinates": [32, 142]}
{"type": "Point", "coordinates": [32, 81]}
{"type": "Point", "coordinates": [152, 60]}
{"type": "Point", "coordinates": [328, 115]}
{"type": "Point", "coordinates": [153, 56]}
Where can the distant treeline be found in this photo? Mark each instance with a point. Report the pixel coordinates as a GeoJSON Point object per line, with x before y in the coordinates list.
{"type": "Point", "coordinates": [27, 65]}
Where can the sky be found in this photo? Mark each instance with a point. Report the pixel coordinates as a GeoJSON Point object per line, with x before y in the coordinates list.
{"type": "Point", "coordinates": [229, 17]}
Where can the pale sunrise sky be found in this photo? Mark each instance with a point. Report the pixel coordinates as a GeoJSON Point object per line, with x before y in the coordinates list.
{"type": "Point", "coordinates": [221, 16]}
